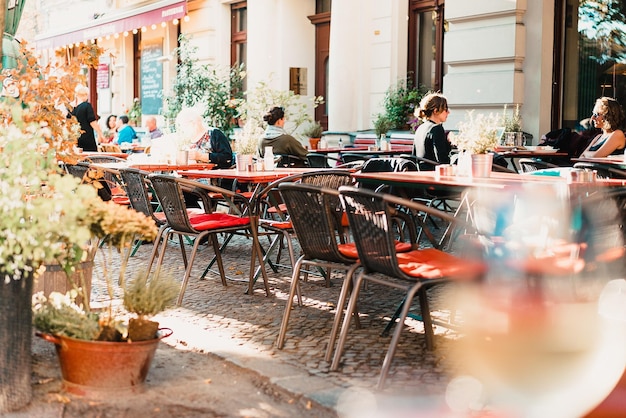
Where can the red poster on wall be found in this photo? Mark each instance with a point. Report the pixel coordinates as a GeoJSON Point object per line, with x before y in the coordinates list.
{"type": "Point", "coordinates": [102, 76]}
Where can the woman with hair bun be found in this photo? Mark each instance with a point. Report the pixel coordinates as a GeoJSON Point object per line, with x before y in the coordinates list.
{"type": "Point", "coordinates": [430, 138]}
{"type": "Point", "coordinates": [276, 137]}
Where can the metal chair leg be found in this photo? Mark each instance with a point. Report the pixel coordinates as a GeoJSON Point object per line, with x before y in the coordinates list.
{"type": "Point", "coordinates": [345, 291]}
{"type": "Point", "coordinates": [346, 322]}
{"type": "Point", "coordinates": [391, 351]}
{"type": "Point", "coordinates": [295, 277]}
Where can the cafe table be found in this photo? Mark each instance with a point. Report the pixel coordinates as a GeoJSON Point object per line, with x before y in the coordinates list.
{"type": "Point", "coordinates": [431, 181]}
{"type": "Point", "coordinates": [338, 150]}
{"type": "Point", "coordinates": [513, 154]}
{"type": "Point", "coordinates": [87, 154]}
{"type": "Point", "coordinates": [378, 152]}
{"type": "Point", "coordinates": [257, 179]}
{"type": "Point", "coordinates": [613, 160]}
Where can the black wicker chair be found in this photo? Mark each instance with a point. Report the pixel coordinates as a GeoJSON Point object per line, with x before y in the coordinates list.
{"type": "Point", "coordinates": [274, 217]}
{"type": "Point", "coordinates": [529, 165]}
{"type": "Point", "coordinates": [349, 157]}
{"type": "Point", "coordinates": [169, 191]}
{"type": "Point", "coordinates": [316, 160]}
{"type": "Point", "coordinates": [316, 217]}
{"type": "Point", "coordinates": [371, 216]}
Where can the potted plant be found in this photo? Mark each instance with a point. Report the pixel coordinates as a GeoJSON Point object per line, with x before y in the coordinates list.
{"type": "Point", "coordinates": [104, 351]}
{"type": "Point", "coordinates": [314, 132]}
{"type": "Point", "coordinates": [476, 137]}
{"type": "Point", "coordinates": [513, 127]}
{"type": "Point", "coordinates": [400, 102]}
{"type": "Point", "coordinates": [42, 209]}
{"type": "Point", "coordinates": [48, 217]}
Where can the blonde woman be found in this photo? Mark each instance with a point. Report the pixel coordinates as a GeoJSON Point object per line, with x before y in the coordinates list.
{"type": "Point", "coordinates": [607, 115]}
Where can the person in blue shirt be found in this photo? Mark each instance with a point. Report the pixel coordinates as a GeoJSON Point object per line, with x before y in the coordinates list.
{"type": "Point", "coordinates": [125, 132]}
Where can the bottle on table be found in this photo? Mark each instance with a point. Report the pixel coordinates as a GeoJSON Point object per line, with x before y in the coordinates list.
{"type": "Point", "coordinates": [268, 159]}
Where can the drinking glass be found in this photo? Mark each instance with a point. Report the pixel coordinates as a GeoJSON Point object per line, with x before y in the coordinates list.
{"type": "Point", "coordinates": [541, 340]}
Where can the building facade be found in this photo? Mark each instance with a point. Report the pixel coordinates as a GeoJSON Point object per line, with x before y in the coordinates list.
{"type": "Point", "coordinates": [551, 57]}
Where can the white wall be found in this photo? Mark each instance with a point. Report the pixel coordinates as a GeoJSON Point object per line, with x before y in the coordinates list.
{"type": "Point", "coordinates": [279, 37]}
{"type": "Point", "coordinates": [484, 51]}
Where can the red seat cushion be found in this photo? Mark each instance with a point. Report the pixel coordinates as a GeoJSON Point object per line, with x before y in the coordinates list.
{"type": "Point", "coordinates": [208, 221]}
{"type": "Point", "coordinates": [190, 212]}
{"type": "Point", "coordinates": [277, 224]}
{"type": "Point", "coordinates": [281, 207]}
{"type": "Point", "coordinates": [121, 200]}
{"type": "Point", "coordinates": [431, 263]}
{"type": "Point", "coordinates": [349, 250]}
{"type": "Point", "coordinates": [560, 259]}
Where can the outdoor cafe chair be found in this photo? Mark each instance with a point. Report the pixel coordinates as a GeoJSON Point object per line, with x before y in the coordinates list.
{"type": "Point", "coordinates": [111, 181]}
{"type": "Point", "coordinates": [137, 187]}
{"type": "Point", "coordinates": [371, 218]}
{"type": "Point", "coordinates": [315, 213]}
{"type": "Point", "coordinates": [349, 157]}
{"type": "Point", "coordinates": [316, 160]}
{"type": "Point", "coordinates": [169, 191]}
{"type": "Point", "coordinates": [529, 165]}
{"type": "Point", "coordinates": [290, 161]}
{"type": "Point", "coordinates": [274, 217]}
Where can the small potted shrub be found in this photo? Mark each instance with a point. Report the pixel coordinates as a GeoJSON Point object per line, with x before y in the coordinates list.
{"type": "Point", "coordinates": [382, 125]}
{"type": "Point", "coordinates": [314, 132]}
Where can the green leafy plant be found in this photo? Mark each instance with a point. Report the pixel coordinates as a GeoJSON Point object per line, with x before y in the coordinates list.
{"type": "Point", "coordinates": [218, 91]}
{"type": "Point", "coordinates": [400, 102]}
{"type": "Point", "coordinates": [313, 130]}
{"type": "Point", "coordinates": [134, 113]}
{"type": "Point", "coordinates": [382, 124]}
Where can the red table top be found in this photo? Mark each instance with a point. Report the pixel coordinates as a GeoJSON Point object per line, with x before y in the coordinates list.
{"type": "Point", "coordinates": [496, 180]}
{"type": "Point", "coordinates": [87, 154]}
{"type": "Point", "coordinates": [245, 176]}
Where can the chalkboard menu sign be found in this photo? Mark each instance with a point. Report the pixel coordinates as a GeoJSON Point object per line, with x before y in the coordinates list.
{"type": "Point", "coordinates": [151, 78]}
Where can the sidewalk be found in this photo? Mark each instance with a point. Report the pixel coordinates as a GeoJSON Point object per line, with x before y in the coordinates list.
{"type": "Point", "coordinates": [242, 329]}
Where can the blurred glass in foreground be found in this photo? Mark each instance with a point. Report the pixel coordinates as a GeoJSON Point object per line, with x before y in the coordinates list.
{"type": "Point", "coordinates": [544, 334]}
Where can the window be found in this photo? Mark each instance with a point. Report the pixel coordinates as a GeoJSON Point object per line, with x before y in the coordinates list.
{"type": "Point", "coordinates": [425, 55]}
{"type": "Point", "coordinates": [238, 33]}
{"type": "Point", "coordinates": [593, 57]}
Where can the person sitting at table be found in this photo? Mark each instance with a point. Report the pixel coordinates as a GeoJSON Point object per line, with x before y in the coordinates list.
{"type": "Point", "coordinates": [276, 137]}
{"type": "Point", "coordinates": [110, 129]}
{"type": "Point", "coordinates": [206, 144]}
{"type": "Point", "coordinates": [125, 132]}
{"type": "Point", "coordinates": [607, 115]}
{"type": "Point", "coordinates": [151, 127]}
{"type": "Point", "coordinates": [430, 140]}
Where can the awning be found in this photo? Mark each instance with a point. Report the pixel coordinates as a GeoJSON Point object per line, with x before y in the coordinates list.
{"type": "Point", "coordinates": [127, 21]}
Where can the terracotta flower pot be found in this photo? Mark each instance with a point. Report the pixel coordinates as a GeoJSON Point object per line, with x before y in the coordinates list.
{"type": "Point", "coordinates": [314, 142]}
{"type": "Point", "coordinates": [99, 369]}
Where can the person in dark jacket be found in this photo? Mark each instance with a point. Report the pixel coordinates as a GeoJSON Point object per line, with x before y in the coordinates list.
{"type": "Point", "coordinates": [430, 138]}
{"type": "Point", "coordinates": [207, 144]}
{"type": "Point", "coordinates": [83, 111]}
{"type": "Point", "coordinates": [276, 137]}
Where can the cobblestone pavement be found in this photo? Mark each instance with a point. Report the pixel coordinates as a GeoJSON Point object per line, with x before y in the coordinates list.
{"type": "Point", "coordinates": [243, 329]}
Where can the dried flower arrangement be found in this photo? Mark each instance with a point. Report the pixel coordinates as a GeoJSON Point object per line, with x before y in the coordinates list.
{"type": "Point", "coordinates": [478, 134]}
